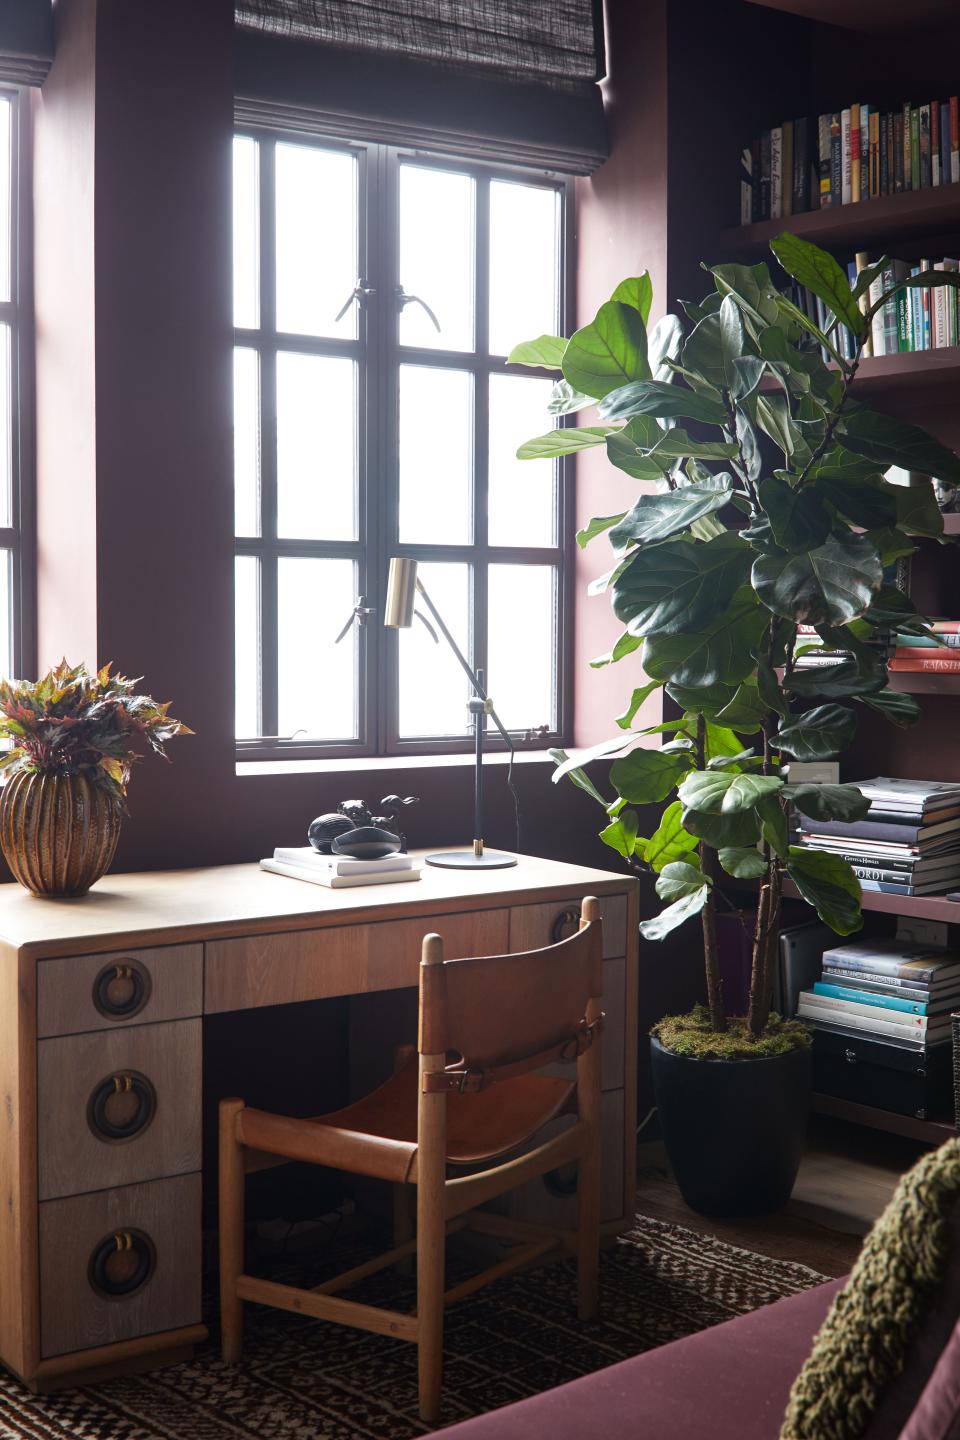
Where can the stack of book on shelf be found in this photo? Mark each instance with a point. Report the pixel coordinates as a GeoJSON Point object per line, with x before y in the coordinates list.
{"type": "Point", "coordinates": [909, 844]}
{"type": "Point", "coordinates": [881, 1019]}
{"type": "Point", "coordinates": [810, 652]}
{"type": "Point", "coordinates": [935, 653]}
{"type": "Point", "coordinates": [338, 872]}
{"type": "Point", "coordinates": [911, 318]}
{"type": "Point", "coordinates": [845, 156]}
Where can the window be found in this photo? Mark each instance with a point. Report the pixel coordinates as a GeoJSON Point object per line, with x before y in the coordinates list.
{"type": "Point", "coordinates": [376, 416]}
{"type": "Point", "coordinates": [14, 585]}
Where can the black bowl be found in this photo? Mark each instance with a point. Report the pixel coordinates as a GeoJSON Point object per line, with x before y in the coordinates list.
{"type": "Point", "coordinates": [366, 842]}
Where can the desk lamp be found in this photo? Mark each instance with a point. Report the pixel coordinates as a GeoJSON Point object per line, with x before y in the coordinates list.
{"type": "Point", "coordinates": [403, 587]}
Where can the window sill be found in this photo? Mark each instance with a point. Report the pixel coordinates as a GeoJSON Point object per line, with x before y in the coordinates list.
{"type": "Point", "coordinates": [359, 763]}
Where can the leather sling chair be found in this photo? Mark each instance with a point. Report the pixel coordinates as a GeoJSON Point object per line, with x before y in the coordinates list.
{"type": "Point", "coordinates": [474, 1102]}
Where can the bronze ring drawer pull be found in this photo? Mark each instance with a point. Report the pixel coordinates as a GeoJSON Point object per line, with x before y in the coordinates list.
{"type": "Point", "coordinates": [110, 1120]}
{"type": "Point", "coordinates": [566, 924]}
{"type": "Point", "coordinates": [121, 989]}
{"type": "Point", "coordinates": [122, 1263]}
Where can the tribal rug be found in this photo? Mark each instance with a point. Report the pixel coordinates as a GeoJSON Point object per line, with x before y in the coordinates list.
{"type": "Point", "coordinates": [306, 1380]}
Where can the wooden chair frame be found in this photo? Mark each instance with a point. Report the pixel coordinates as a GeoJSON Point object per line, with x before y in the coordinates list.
{"type": "Point", "coordinates": [443, 1205]}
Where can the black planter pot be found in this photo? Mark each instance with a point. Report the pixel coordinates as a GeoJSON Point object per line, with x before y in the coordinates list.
{"type": "Point", "coordinates": [733, 1129]}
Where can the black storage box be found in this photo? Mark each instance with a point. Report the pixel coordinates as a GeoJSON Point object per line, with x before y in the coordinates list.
{"type": "Point", "coordinates": [891, 1077]}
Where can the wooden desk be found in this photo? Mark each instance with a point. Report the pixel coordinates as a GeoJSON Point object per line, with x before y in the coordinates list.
{"type": "Point", "coordinates": [176, 946]}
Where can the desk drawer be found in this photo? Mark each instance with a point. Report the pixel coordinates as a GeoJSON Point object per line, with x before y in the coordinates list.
{"type": "Point", "coordinates": [82, 1265]}
{"type": "Point", "coordinates": [533, 926]}
{"type": "Point", "coordinates": [339, 960]}
{"type": "Point", "coordinates": [89, 1136]}
{"type": "Point", "coordinates": [107, 992]}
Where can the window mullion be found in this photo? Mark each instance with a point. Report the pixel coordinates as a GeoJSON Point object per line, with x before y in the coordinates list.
{"type": "Point", "coordinates": [481, 386]}
{"type": "Point", "coordinates": [388, 486]}
{"type": "Point", "coordinates": [269, 638]}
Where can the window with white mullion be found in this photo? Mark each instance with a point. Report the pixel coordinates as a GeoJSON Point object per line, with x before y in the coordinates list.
{"type": "Point", "coordinates": [15, 567]}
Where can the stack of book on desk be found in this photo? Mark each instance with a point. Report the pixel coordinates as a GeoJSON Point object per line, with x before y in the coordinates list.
{"type": "Point", "coordinates": [339, 871]}
{"type": "Point", "coordinates": [937, 654]}
{"type": "Point", "coordinates": [880, 1014]}
{"type": "Point", "coordinates": [909, 844]}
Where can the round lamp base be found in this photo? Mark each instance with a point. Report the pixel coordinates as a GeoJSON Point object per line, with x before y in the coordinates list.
{"type": "Point", "coordinates": [467, 860]}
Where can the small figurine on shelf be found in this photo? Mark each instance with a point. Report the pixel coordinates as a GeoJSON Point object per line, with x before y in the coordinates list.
{"type": "Point", "coordinates": [353, 830]}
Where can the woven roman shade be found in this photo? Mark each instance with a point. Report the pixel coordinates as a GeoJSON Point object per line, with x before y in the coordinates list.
{"type": "Point", "coordinates": [513, 80]}
{"type": "Point", "coordinates": [26, 41]}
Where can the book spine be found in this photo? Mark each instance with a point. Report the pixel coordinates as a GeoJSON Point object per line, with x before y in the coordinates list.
{"type": "Point", "coordinates": [954, 140]}
{"type": "Point", "coordinates": [881, 965]}
{"type": "Point", "coordinates": [945, 142]}
{"type": "Point", "coordinates": [941, 335]}
{"type": "Point", "coordinates": [891, 342]}
{"type": "Point", "coordinates": [867, 997]}
{"type": "Point", "coordinates": [765, 175]}
{"type": "Point", "coordinates": [946, 627]}
{"type": "Point", "coordinates": [933, 651]}
{"type": "Point", "coordinates": [920, 989]}
{"type": "Point", "coordinates": [926, 179]}
{"type": "Point", "coordinates": [814, 1010]}
{"type": "Point", "coordinates": [933, 666]}
{"type": "Point", "coordinates": [874, 158]}
{"type": "Point", "coordinates": [854, 154]}
{"type": "Point", "coordinates": [776, 173]}
{"type": "Point", "coordinates": [786, 170]}
{"type": "Point", "coordinates": [836, 160]}
{"type": "Point", "coordinates": [914, 148]}
{"type": "Point", "coordinates": [861, 262]}
{"type": "Point", "coordinates": [801, 165]}
{"type": "Point", "coordinates": [925, 298]}
{"type": "Point", "coordinates": [825, 167]}
{"type": "Point", "coordinates": [846, 158]}
{"type": "Point", "coordinates": [885, 152]}
{"type": "Point", "coordinates": [898, 184]}
{"type": "Point", "coordinates": [883, 887]}
{"type": "Point", "coordinates": [864, 152]}
{"type": "Point", "coordinates": [934, 144]}
{"type": "Point", "coordinates": [903, 321]}
{"type": "Point", "coordinates": [877, 875]}
{"type": "Point", "coordinates": [746, 186]}
{"type": "Point", "coordinates": [877, 323]}
{"type": "Point", "coordinates": [928, 642]}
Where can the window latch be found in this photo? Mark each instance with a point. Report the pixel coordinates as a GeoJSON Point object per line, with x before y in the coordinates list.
{"type": "Point", "coordinates": [403, 299]}
{"type": "Point", "coordinates": [358, 616]}
{"type": "Point", "coordinates": [359, 293]}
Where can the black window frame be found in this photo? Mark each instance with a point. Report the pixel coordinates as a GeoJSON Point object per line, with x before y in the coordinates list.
{"type": "Point", "coordinates": [380, 355]}
{"type": "Point", "coordinates": [17, 312]}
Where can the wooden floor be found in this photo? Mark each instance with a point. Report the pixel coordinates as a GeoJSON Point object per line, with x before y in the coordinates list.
{"type": "Point", "coordinates": [847, 1176]}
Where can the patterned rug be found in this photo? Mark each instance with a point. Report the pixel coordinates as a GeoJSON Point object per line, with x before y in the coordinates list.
{"type": "Point", "coordinates": [306, 1380]}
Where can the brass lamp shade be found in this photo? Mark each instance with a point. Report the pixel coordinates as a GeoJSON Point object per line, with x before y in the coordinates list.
{"type": "Point", "coordinates": [401, 594]}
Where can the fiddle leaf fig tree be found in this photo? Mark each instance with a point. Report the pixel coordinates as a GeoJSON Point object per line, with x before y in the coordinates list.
{"type": "Point", "coordinates": [764, 507]}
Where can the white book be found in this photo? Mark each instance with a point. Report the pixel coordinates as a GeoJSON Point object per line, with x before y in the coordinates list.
{"type": "Point", "coordinates": [808, 1011]}
{"type": "Point", "coordinates": [877, 334]}
{"type": "Point", "coordinates": [338, 882]}
{"type": "Point", "coordinates": [339, 864]}
{"type": "Point", "coordinates": [851, 1008]}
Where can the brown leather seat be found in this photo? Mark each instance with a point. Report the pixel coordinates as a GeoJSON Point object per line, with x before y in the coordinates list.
{"type": "Point", "coordinates": [505, 1018]}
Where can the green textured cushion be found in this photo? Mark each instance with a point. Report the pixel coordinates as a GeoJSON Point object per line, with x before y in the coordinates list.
{"type": "Point", "coordinates": [864, 1341]}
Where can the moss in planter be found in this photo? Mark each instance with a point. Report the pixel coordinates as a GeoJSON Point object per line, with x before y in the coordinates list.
{"type": "Point", "coordinates": [691, 1035]}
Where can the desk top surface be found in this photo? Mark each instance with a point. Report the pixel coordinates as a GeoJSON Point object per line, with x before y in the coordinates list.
{"type": "Point", "coordinates": [169, 906]}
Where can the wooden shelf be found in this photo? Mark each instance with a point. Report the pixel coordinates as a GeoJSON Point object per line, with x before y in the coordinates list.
{"type": "Point", "coordinates": [934, 1132]}
{"type": "Point", "coordinates": [869, 224]}
{"type": "Point", "coordinates": [920, 370]}
{"type": "Point", "coordinates": [923, 907]}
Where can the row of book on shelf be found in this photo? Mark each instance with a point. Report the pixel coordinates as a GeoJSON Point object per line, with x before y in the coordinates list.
{"type": "Point", "coordinates": [911, 318]}
{"type": "Point", "coordinates": [845, 156]}
{"type": "Point", "coordinates": [935, 653]}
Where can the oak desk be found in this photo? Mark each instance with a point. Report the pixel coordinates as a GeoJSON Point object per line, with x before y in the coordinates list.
{"type": "Point", "coordinates": [101, 1050]}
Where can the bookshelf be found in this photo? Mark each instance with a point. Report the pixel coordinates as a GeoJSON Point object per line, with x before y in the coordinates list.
{"type": "Point", "coordinates": [884, 221]}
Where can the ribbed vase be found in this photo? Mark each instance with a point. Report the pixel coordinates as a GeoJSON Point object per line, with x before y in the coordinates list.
{"type": "Point", "coordinates": [58, 833]}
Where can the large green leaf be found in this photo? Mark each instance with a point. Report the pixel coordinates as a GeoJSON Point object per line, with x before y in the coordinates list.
{"type": "Point", "coordinates": [609, 352]}
{"type": "Point", "coordinates": [625, 645]}
{"type": "Point", "coordinates": [677, 444]}
{"type": "Point", "coordinates": [680, 878]}
{"type": "Point", "coordinates": [637, 292]}
{"type": "Point", "coordinates": [733, 342]}
{"type": "Point", "coordinates": [720, 792]}
{"type": "Point", "coordinates": [828, 884]}
{"type": "Point", "coordinates": [564, 399]}
{"type": "Point", "coordinates": [773, 824]}
{"type": "Point", "coordinates": [833, 583]}
{"type": "Point", "coordinates": [562, 442]}
{"type": "Point", "coordinates": [740, 829]}
{"type": "Point", "coordinates": [703, 353]}
{"type": "Point", "coordinates": [678, 586]}
{"type": "Point", "coordinates": [818, 734]}
{"type": "Point", "coordinates": [746, 709]}
{"type": "Point", "coordinates": [579, 777]}
{"type": "Point", "coordinates": [752, 288]}
{"type": "Point", "coordinates": [706, 700]}
{"type": "Point", "coordinates": [655, 397]}
{"type": "Point", "coordinates": [819, 272]}
{"type": "Point", "coordinates": [546, 351]}
{"type": "Point", "coordinates": [670, 841]}
{"type": "Point", "coordinates": [629, 449]}
{"type": "Point", "coordinates": [798, 518]}
{"type": "Point", "coordinates": [845, 678]}
{"type": "Point", "coordinates": [744, 863]}
{"type": "Point", "coordinates": [675, 914]}
{"type": "Point", "coordinates": [621, 833]}
{"type": "Point", "coordinates": [917, 510]}
{"type": "Point", "coordinates": [829, 802]}
{"type": "Point", "coordinates": [889, 441]}
{"type": "Point", "coordinates": [720, 653]}
{"type": "Point", "coordinates": [902, 710]}
{"type": "Point", "coordinates": [595, 527]}
{"type": "Point", "coordinates": [647, 776]}
{"type": "Point", "coordinates": [636, 700]}
{"type": "Point", "coordinates": [663, 346]}
{"type": "Point", "coordinates": [657, 517]}
{"type": "Point", "coordinates": [867, 501]}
